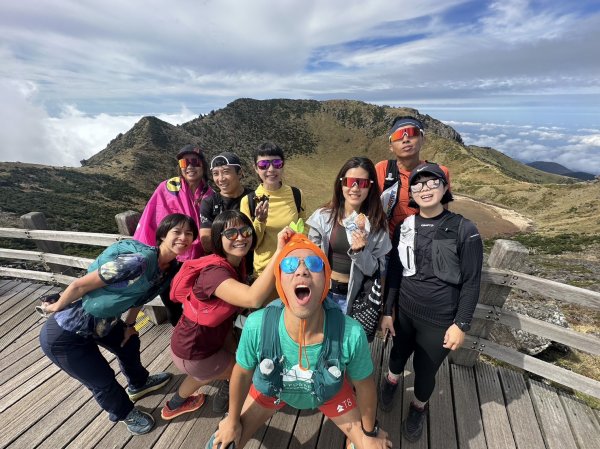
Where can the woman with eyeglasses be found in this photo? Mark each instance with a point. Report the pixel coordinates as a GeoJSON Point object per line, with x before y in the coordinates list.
{"type": "Point", "coordinates": [351, 229]}
{"type": "Point", "coordinates": [273, 205]}
{"type": "Point", "coordinates": [432, 288]}
{"type": "Point", "coordinates": [181, 194]}
{"type": "Point", "coordinates": [212, 291]}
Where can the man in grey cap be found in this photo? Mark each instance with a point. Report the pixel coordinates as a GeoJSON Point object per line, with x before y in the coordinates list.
{"type": "Point", "coordinates": [406, 137]}
{"type": "Point", "coordinates": [226, 171]}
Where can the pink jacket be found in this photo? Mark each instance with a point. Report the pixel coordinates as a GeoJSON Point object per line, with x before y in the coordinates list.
{"type": "Point", "coordinates": [170, 197]}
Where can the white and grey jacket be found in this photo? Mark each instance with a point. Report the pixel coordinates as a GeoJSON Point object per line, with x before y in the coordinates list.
{"type": "Point", "coordinates": [364, 263]}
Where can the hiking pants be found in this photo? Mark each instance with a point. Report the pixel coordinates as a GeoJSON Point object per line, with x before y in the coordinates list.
{"type": "Point", "coordinates": [80, 358]}
{"type": "Point", "coordinates": [423, 339]}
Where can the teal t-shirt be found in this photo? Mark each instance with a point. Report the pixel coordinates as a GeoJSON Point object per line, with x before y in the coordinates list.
{"type": "Point", "coordinates": [297, 383]}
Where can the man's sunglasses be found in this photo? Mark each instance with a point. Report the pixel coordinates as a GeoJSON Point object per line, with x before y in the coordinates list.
{"type": "Point", "coordinates": [264, 164]}
{"type": "Point", "coordinates": [234, 233]}
{"type": "Point", "coordinates": [362, 183]}
{"type": "Point", "coordinates": [399, 134]}
{"type": "Point", "coordinates": [191, 162]}
{"type": "Point", "coordinates": [290, 264]}
{"type": "Point", "coordinates": [430, 183]}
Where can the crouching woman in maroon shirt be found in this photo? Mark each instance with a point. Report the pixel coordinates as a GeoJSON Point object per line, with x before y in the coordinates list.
{"type": "Point", "coordinates": [212, 291]}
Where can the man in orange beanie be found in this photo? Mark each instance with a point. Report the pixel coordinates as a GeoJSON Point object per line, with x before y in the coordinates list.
{"type": "Point", "coordinates": [304, 352]}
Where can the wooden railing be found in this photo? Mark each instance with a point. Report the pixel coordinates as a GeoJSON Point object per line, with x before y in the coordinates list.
{"type": "Point", "coordinates": [498, 279]}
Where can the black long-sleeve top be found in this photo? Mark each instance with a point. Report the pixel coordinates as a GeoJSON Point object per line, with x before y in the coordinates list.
{"type": "Point", "coordinates": [423, 295]}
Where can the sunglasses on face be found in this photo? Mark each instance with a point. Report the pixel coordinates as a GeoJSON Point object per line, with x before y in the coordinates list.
{"type": "Point", "coordinates": [191, 162]}
{"type": "Point", "coordinates": [290, 264]}
{"type": "Point", "coordinates": [430, 183]}
{"type": "Point", "coordinates": [362, 183]}
{"type": "Point", "coordinates": [264, 164]}
{"type": "Point", "coordinates": [234, 233]}
{"type": "Point", "coordinates": [399, 134]}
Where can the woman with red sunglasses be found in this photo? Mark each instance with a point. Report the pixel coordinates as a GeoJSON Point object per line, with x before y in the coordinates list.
{"type": "Point", "coordinates": [273, 205]}
{"type": "Point", "coordinates": [181, 194]}
{"type": "Point", "coordinates": [352, 230]}
{"type": "Point", "coordinates": [213, 291]}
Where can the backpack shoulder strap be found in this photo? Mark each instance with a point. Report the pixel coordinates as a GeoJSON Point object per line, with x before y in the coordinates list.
{"type": "Point", "coordinates": [269, 337]}
{"type": "Point", "coordinates": [391, 177]}
{"type": "Point", "coordinates": [334, 333]}
{"type": "Point", "coordinates": [251, 203]}
{"type": "Point", "coordinates": [297, 198]}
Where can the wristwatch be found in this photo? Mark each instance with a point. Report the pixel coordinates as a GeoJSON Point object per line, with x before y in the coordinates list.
{"type": "Point", "coordinates": [129, 325]}
{"type": "Point", "coordinates": [373, 433]}
{"type": "Point", "coordinates": [465, 327]}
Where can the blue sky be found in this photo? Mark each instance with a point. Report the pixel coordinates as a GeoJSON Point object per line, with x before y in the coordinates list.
{"type": "Point", "coordinates": [521, 76]}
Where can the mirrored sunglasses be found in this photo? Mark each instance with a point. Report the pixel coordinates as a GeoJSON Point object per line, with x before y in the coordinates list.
{"type": "Point", "coordinates": [362, 183]}
{"type": "Point", "coordinates": [234, 233]}
{"type": "Point", "coordinates": [290, 264]}
{"type": "Point", "coordinates": [400, 133]}
{"type": "Point", "coordinates": [264, 164]}
{"type": "Point", "coordinates": [430, 183]}
{"type": "Point", "coordinates": [191, 162]}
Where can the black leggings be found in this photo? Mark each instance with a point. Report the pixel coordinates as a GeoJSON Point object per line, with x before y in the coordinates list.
{"type": "Point", "coordinates": [425, 340]}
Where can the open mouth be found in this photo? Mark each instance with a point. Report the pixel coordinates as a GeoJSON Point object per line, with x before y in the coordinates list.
{"type": "Point", "coordinates": [302, 293]}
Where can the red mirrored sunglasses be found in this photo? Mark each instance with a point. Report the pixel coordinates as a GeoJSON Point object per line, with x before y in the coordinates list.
{"type": "Point", "coordinates": [191, 162]}
{"type": "Point", "coordinates": [362, 183]}
{"type": "Point", "coordinates": [410, 131]}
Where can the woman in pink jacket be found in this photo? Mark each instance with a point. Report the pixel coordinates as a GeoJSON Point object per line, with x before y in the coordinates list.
{"type": "Point", "coordinates": [180, 194]}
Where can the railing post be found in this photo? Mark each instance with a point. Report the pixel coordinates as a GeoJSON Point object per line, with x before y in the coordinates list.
{"type": "Point", "coordinates": [126, 223]}
{"type": "Point", "coordinates": [37, 221]}
{"type": "Point", "coordinates": [506, 254]}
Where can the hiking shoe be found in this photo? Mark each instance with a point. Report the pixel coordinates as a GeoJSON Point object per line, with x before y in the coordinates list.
{"type": "Point", "coordinates": [154, 382]}
{"type": "Point", "coordinates": [191, 404]}
{"type": "Point", "coordinates": [412, 426]}
{"type": "Point", "coordinates": [211, 441]}
{"type": "Point", "coordinates": [221, 399]}
{"type": "Point", "coordinates": [138, 422]}
{"type": "Point", "coordinates": [387, 390]}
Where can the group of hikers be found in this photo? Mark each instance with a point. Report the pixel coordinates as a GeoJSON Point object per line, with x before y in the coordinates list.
{"type": "Point", "coordinates": [384, 253]}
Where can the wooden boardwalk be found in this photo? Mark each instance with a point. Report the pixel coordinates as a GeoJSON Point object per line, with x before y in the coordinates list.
{"type": "Point", "coordinates": [480, 407]}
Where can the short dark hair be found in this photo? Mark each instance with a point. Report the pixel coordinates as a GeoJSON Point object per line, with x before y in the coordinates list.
{"type": "Point", "coordinates": [172, 220]}
{"type": "Point", "coordinates": [220, 223]}
{"type": "Point", "coordinates": [268, 149]}
{"type": "Point", "coordinates": [445, 199]}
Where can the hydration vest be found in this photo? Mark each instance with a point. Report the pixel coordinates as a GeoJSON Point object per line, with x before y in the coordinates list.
{"type": "Point", "coordinates": [327, 376]}
{"type": "Point", "coordinates": [113, 300]}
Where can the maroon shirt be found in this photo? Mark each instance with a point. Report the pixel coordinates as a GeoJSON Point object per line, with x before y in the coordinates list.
{"type": "Point", "coordinates": [191, 341]}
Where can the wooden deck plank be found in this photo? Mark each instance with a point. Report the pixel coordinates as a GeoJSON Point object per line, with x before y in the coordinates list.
{"type": "Point", "coordinates": [101, 426]}
{"type": "Point", "coordinates": [521, 415]}
{"type": "Point", "coordinates": [8, 285]}
{"type": "Point", "coordinates": [493, 409]}
{"type": "Point", "coordinates": [27, 298]}
{"type": "Point", "coordinates": [469, 426]}
{"type": "Point", "coordinates": [330, 437]}
{"type": "Point", "coordinates": [390, 421]}
{"type": "Point", "coordinates": [281, 428]}
{"type": "Point", "coordinates": [17, 325]}
{"type": "Point", "coordinates": [25, 338]}
{"type": "Point", "coordinates": [583, 423]}
{"type": "Point", "coordinates": [408, 396]}
{"type": "Point", "coordinates": [551, 416]}
{"type": "Point", "coordinates": [45, 399]}
{"type": "Point", "coordinates": [442, 430]}
{"type": "Point", "coordinates": [306, 431]}
{"type": "Point", "coordinates": [36, 373]}
{"type": "Point", "coordinates": [14, 363]}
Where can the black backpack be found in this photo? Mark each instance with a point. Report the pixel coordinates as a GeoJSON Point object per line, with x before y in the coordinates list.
{"type": "Point", "coordinates": [297, 199]}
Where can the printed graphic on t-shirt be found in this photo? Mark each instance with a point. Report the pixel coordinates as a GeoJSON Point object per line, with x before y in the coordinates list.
{"type": "Point", "coordinates": [297, 380]}
{"type": "Point", "coordinates": [124, 270]}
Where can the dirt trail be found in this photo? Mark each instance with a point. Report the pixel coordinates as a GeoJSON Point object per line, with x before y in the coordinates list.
{"type": "Point", "coordinates": [492, 221]}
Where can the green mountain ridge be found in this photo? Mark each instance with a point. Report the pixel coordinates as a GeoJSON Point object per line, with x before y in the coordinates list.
{"type": "Point", "coordinates": [318, 136]}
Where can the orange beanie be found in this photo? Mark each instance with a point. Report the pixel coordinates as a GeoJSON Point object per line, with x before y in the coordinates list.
{"type": "Point", "coordinates": [300, 241]}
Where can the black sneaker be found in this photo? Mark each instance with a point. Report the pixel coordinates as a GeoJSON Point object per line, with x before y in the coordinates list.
{"type": "Point", "coordinates": [412, 426]}
{"type": "Point", "coordinates": [387, 390]}
{"type": "Point", "coordinates": [154, 382]}
{"type": "Point", "coordinates": [221, 399]}
{"type": "Point", "coordinates": [138, 422]}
